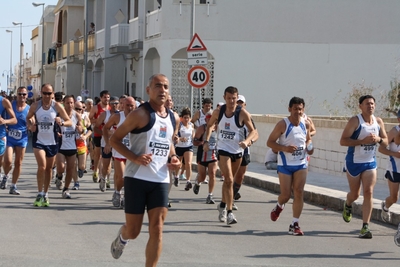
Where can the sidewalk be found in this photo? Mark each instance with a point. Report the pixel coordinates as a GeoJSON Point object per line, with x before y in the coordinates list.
{"type": "Point", "coordinates": [322, 189]}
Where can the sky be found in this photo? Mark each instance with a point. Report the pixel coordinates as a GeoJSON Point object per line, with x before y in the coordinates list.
{"type": "Point", "coordinates": [30, 16]}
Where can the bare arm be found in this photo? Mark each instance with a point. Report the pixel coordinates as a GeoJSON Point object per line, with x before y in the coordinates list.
{"type": "Point", "coordinates": [279, 129]}
{"type": "Point", "coordinates": [384, 150]}
{"type": "Point", "coordinates": [114, 120]}
{"type": "Point", "coordinates": [211, 122]}
{"type": "Point", "coordinates": [92, 113]}
{"type": "Point", "coordinates": [98, 123]}
{"type": "Point", "coordinates": [197, 136]}
{"type": "Point", "coordinates": [62, 115]}
{"type": "Point", "coordinates": [8, 107]}
{"type": "Point", "coordinates": [250, 126]}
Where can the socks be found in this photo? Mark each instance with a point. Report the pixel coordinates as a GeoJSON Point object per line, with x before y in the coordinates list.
{"type": "Point", "coordinates": [222, 205]}
{"type": "Point", "coordinates": [123, 241]}
{"type": "Point", "coordinates": [236, 188]}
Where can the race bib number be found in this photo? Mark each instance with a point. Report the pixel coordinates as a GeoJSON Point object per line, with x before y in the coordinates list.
{"type": "Point", "coordinates": [45, 127]}
{"type": "Point", "coordinates": [226, 135]}
{"type": "Point", "coordinates": [14, 133]}
{"type": "Point", "coordinates": [367, 149]}
{"type": "Point", "coordinates": [298, 154]}
{"type": "Point", "coordinates": [160, 151]}
{"type": "Point", "coordinates": [69, 134]}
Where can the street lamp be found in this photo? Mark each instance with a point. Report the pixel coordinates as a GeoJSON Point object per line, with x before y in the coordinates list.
{"type": "Point", "coordinates": [35, 4]}
{"type": "Point", "coordinates": [20, 51]}
{"type": "Point", "coordinates": [10, 86]}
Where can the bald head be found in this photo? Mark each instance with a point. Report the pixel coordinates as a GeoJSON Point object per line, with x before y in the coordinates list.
{"type": "Point", "coordinates": [130, 104]}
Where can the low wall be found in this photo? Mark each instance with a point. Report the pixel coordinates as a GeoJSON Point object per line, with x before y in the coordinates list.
{"type": "Point", "coordinates": [328, 155]}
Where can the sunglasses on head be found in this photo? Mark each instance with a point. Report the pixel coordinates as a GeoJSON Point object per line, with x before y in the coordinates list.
{"type": "Point", "coordinates": [22, 94]}
{"type": "Point", "coordinates": [47, 93]}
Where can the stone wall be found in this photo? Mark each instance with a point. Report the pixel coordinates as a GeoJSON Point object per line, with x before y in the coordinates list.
{"type": "Point", "coordinates": [328, 155]}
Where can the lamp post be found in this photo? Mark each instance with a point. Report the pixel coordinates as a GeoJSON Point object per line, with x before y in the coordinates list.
{"type": "Point", "coordinates": [9, 31]}
{"type": "Point", "coordinates": [20, 51]}
{"type": "Point", "coordinates": [35, 4]}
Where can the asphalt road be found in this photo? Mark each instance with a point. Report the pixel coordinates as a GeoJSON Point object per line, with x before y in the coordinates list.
{"type": "Point", "coordinates": [79, 232]}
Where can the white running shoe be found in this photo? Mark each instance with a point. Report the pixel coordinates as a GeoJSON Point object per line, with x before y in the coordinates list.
{"type": "Point", "coordinates": [222, 213]}
{"type": "Point", "coordinates": [385, 215]}
{"type": "Point", "coordinates": [231, 219]}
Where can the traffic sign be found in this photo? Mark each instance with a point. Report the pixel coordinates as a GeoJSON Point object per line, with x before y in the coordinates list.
{"type": "Point", "coordinates": [198, 76]}
{"type": "Point", "coordinates": [197, 52]}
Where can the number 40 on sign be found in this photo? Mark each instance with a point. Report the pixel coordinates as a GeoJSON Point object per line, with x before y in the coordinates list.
{"type": "Point", "coordinates": [198, 76]}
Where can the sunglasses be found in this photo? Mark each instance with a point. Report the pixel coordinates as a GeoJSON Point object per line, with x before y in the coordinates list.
{"type": "Point", "coordinates": [22, 94]}
{"type": "Point", "coordinates": [47, 93]}
{"type": "Point", "coordinates": [83, 107]}
{"type": "Point", "coordinates": [78, 109]}
{"type": "Point", "coordinates": [114, 103]}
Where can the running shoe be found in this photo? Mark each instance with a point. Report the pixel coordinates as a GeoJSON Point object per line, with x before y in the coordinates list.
{"type": "Point", "coordinates": [95, 177]}
{"type": "Point", "coordinates": [205, 181]}
{"type": "Point", "coordinates": [116, 200]}
{"type": "Point", "coordinates": [222, 213]}
{"type": "Point", "coordinates": [65, 194]}
{"type": "Point", "coordinates": [38, 201]}
{"type": "Point", "coordinates": [385, 215]}
{"type": "Point", "coordinates": [176, 181]}
{"type": "Point", "coordinates": [108, 183]}
{"type": "Point", "coordinates": [397, 236]}
{"type": "Point", "coordinates": [222, 178]}
{"type": "Point", "coordinates": [365, 232]}
{"type": "Point", "coordinates": [234, 207]}
{"type": "Point", "coordinates": [210, 200]}
{"type": "Point", "coordinates": [3, 184]}
{"type": "Point", "coordinates": [295, 229]}
{"type": "Point", "coordinates": [347, 213]}
{"type": "Point", "coordinates": [182, 177]}
{"type": "Point", "coordinates": [231, 219]}
{"type": "Point", "coordinates": [275, 213]}
{"type": "Point", "coordinates": [76, 186]}
{"type": "Point", "coordinates": [14, 191]}
{"type": "Point", "coordinates": [117, 247]}
{"type": "Point", "coordinates": [59, 183]}
{"type": "Point", "coordinates": [188, 186]}
{"type": "Point", "coordinates": [237, 196]}
{"type": "Point", "coordinates": [80, 173]}
{"type": "Point", "coordinates": [102, 184]}
{"type": "Point", "coordinates": [196, 188]}
{"type": "Point", "coordinates": [45, 202]}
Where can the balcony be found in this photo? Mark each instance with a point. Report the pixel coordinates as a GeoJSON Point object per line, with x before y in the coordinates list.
{"type": "Point", "coordinates": [64, 50]}
{"type": "Point", "coordinates": [100, 40]}
{"type": "Point", "coordinates": [119, 39]}
{"type": "Point", "coordinates": [135, 44]}
{"type": "Point", "coordinates": [153, 23]}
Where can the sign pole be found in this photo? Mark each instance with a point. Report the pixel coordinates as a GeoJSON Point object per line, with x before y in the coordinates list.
{"type": "Point", "coordinates": [192, 31]}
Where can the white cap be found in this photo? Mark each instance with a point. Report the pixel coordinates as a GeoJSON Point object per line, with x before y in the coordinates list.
{"type": "Point", "coordinates": [79, 98]}
{"type": "Point", "coordinates": [241, 98]}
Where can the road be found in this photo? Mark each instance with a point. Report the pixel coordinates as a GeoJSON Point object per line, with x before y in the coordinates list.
{"type": "Point", "coordinates": [79, 231]}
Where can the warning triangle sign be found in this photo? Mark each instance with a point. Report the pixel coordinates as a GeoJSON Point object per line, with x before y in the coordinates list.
{"type": "Point", "coordinates": [196, 44]}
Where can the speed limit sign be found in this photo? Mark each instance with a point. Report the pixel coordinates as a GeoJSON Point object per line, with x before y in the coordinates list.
{"type": "Point", "coordinates": [198, 76]}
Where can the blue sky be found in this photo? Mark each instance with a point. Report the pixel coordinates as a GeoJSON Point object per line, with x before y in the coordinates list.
{"type": "Point", "coordinates": [30, 16]}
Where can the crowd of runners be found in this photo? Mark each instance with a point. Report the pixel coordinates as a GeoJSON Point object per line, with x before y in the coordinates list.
{"type": "Point", "coordinates": [151, 148]}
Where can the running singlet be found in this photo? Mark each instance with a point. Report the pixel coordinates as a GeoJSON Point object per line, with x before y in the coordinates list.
{"type": "Point", "coordinates": [295, 136]}
{"type": "Point", "coordinates": [108, 115]}
{"type": "Point", "coordinates": [18, 131]}
{"type": "Point", "coordinates": [99, 111]}
{"type": "Point", "coordinates": [229, 132]}
{"type": "Point", "coordinates": [394, 162]}
{"type": "Point", "coordinates": [3, 112]}
{"type": "Point", "coordinates": [126, 140]}
{"type": "Point", "coordinates": [45, 133]}
{"type": "Point", "coordinates": [69, 134]}
{"type": "Point", "coordinates": [156, 139]}
{"type": "Point", "coordinates": [363, 153]}
{"type": "Point", "coordinates": [187, 133]}
{"type": "Point", "coordinates": [202, 119]}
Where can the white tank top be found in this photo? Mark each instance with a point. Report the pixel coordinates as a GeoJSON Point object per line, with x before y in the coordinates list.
{"type": "Point", "coordinates": [394, 162]}
{"type": "Point", "coordinates": [125, 140]}
{"type": "Point", "coordinates": [363, 153]}
{"type": "Point", "coordinates": [68, 134]}
{"type": "Point", "coordinates": [229, 134]}
{"type": "Point", "coordinates": [295, 136]}
{"type": "Point", "coordinates": [156, 139]}
{"type": "Point", "coordinates": [108, 115]}
{"type": "Point", "coordinates": [45, 125]}
{"type": "Point", "coordinates": [186, 132]}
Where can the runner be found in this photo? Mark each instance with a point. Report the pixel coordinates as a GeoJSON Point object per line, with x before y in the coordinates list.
{"type": "Point", "coordinates": [146, 174]}
{"type": "Point", "coordinates": [42, 120]}
{"type": "Point", "coordinates": [66, 156]}
{"type": "Point", "coordinates": [106, 153]}
{"type": "Point", "coordinates": [206, 161]}
{"type": "Point", "coordinates": [119, 161]}
{"type": "Point", "coordinates": [230, 146]}
{"type": "Point", "coordinates": [17, 141]}
{"type": "Point", "coordinates": [94, 114]}
{"type": "Point", "coordinates": [294, 142]}
{"type": "Point", "coordinates": [361, 134]}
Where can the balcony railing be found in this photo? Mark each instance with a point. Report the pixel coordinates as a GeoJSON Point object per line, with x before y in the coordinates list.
{"type": "Point", "coordinates": [153, 23]}
{"type": "Point", "coordinates": [92, 42]}
{"type": "Point", "coordinates": [119, 35]}
{"type": "Point", "coordinates": [81, 45]}
{"type": "Point", "coordinates": [65, 50]}
{"type": "Point", "coordinates": [100, 39]}
{"type": "Point", "coordinates": [73, 48]}
{"type": "Point", "coordinates": [133, 30]}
